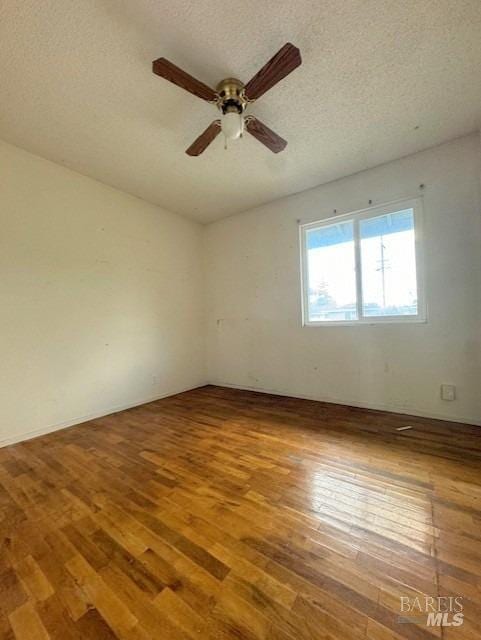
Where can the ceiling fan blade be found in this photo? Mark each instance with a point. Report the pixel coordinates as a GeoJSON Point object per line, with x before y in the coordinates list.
{"type": "Point", "coordinates": [278, 67]}
{"type": "Point", "coordinates": [170, 72]}
{"type": "Point", "coordinates": [203, 141]}
{"type": "Point", "coordinates": [265, 135]}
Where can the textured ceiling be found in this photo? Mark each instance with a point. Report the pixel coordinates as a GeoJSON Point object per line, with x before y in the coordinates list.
{"type": "Point", "coordinates": [380, 79]}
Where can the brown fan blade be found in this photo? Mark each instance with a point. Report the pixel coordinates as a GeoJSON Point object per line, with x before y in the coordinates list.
{"type": "Point", "coordinates": [170, 72]}
{"type": "Point", "coordinates": [278, 67]}
{"type": "Point", "coordinates": [265, 135]}
{"type": "Point", "coordinates": [204, 140]}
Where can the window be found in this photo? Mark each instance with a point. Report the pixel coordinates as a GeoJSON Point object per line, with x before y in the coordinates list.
{"type": "Point", "coordinates": [364, 267]}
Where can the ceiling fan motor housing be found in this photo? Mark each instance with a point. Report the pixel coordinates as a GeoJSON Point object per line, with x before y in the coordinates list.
{"type": "Point", "coordinates": [231, 96]}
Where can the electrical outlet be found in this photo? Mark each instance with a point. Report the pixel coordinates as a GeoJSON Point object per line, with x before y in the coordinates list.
{"type": "Point", "coordinates": [448, 392]}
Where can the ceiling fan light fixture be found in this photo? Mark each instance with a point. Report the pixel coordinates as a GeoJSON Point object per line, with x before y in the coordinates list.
{"type": "Point", "coordinates": [232, 125]}
{"type": "Point", "coordinates": [232, 97]}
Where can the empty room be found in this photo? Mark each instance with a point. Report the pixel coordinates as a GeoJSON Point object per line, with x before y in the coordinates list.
{"type": "Point", "coordinates": [240, 320]}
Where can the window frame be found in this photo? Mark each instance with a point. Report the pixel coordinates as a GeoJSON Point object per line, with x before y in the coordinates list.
{"type": "Point", "coordinates": [371, 212]}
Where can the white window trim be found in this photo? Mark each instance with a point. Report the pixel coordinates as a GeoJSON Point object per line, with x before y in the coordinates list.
{"type": "Point", "coordinates": [378, 210]}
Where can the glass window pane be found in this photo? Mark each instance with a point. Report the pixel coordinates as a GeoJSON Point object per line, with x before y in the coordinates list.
{"type": "Point", "coordinates": [388, 260]}
{"type": "Point", "coordinates": [331, 273]}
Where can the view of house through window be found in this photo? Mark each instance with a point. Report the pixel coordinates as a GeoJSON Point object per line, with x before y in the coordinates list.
{"type": "Point", "coordinates": [361, 268]}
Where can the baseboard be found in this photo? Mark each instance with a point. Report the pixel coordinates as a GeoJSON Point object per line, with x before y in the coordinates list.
{"type": "Point", "coordinates": [355, 403]}
{"type": "Point", "coordinates": [93, 416]}
{"type": "Point", "coordinates": [332, 400]}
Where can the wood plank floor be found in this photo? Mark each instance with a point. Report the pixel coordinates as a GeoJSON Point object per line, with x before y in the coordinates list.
{"type": "Point", "coordinates": [233, 515]}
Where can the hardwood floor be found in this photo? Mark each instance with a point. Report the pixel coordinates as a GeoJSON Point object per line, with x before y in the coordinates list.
{"type": "Point", "coordinates": [233, 515]}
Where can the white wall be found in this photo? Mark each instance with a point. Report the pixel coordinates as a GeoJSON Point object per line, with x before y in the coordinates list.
{"type": "Point", "coordinates": [254, 333]}
{"type": "Point", "coordinates": [100, 298]}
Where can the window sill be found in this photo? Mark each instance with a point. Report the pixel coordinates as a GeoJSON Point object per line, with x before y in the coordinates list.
{"type": "Point", "coordinates": [363, 323]}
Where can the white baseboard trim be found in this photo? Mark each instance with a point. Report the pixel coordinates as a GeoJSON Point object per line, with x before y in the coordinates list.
{"type": "Point", "coordinates": [355, 403]}
{"type": "Point", "coordinates": [93, 416]}
{"type": "Point", "coordinates": [332, 400]}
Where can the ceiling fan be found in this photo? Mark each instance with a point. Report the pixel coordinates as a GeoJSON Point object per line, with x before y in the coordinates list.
{"type": "Point", "coordinates": [232, 97]}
